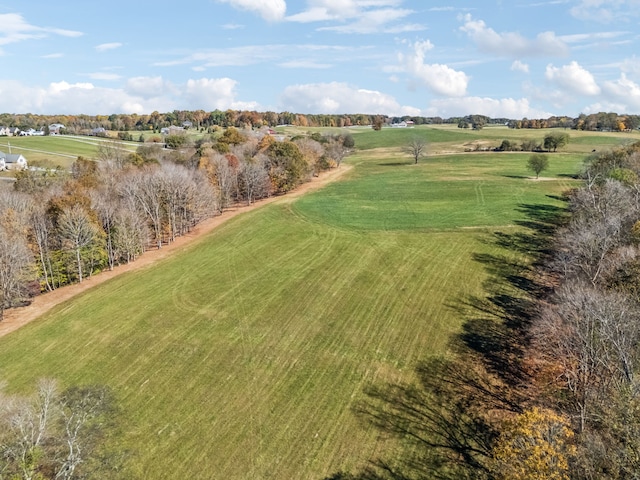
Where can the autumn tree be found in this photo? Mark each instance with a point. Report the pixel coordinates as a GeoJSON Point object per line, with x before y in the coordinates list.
{"type": "Point", "coordinates": [287, 166]}
{"type": "Point", "coordinates": [535, 445]}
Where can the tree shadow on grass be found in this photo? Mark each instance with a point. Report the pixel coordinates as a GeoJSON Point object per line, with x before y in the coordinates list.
{"type": "Point", "coordinates": [447, 419]}
{"type": "Point", "coordinates": [396, 164]}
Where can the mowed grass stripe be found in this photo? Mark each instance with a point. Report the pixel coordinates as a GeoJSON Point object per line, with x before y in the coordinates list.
{"type": "Point", "coordinates": [241, 357]}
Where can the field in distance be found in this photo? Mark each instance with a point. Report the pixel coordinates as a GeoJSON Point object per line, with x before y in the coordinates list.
{"type": "Point", "coordinates": [242, 356]}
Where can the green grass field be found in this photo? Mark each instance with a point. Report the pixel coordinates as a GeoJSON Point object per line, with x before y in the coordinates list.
{"type": "Point", "coordinates": [242, 356]}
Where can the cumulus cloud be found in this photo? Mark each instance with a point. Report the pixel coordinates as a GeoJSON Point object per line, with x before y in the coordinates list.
{"type": "Point", "coordinates": [214, 93]}
{"type": "Point", "coordinates": [74, 98]}
{"type": "Point", "coordinates": [16, 29]}
{"type": "Point", "coordinates": [623, 92]}
{"type": "Point", "coordinates": [337, 97]}
{"type": "Point", "coordinates": [491, 107]}
{"type": "Point", "coordinates": [440, 79]}
{"type": "Point", "coordinates": [139, 95]}
{"type": "Point", "coordinates": [108, 46]}
{"type": "Point", "coordinates": [512, 44]}
{"type": "Point", "coordinates": [518, 66]}
{"type": "Point", "coordinates": [270, 10]}
{"type": "Point", "coordinates": [573, 78]}
{"type": "Point", "coordinates": [148, 87]}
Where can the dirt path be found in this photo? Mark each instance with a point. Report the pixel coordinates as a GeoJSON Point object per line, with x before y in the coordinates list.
{"type": "Point", "coordinates": [17, 317]}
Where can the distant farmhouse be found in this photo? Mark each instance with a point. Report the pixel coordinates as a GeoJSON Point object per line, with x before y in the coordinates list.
{"type": "Point", "coordinates": [172, 130]}
{"type": "Point", "coordinates": [15, 161]}
{"type": "Point", "coordinates": [31, 132]}
{"type": "Point", "coordinates": [54, 128]}
{"type": "Point", "coordinates": [9, 131]}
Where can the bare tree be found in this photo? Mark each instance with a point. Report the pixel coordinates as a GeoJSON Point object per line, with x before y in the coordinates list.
{"type": "Point", "coordinates": [143, 188]}
{"type": "Point", "coordinates": [592, 336]}
{"type": "Point", "coordinates": [225, 177]}
{"type": "Point", "coordinates": [254, 178]}
{"type": "Point", "coordinates": [15, 268]}
{"type": "Point", "coordinates": [27, 424]}
{"type": "Point", "coordinates": [416, 147]}
{"type": "Point", "coordinates": [113, 151]}
{"type": "Point", "coordinates": [78, 232]}
{"type": "Point", "coordinates": [131, 233]}
{"type": "Point", "coordinates": [81, 410]}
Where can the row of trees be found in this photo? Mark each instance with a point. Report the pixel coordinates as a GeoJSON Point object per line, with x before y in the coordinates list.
{"type": "Point", "coordinates": [542, 381]}
{"type": "Point", "coordinates": [59, 227]}
{"type": "Point", "coordinates": [201, 120]}
{"type": "Point", "coordinates": [550, 143]}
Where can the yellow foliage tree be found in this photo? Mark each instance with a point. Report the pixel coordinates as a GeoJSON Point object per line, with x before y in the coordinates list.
{"type": "Point", "coordinates": [535, 445]}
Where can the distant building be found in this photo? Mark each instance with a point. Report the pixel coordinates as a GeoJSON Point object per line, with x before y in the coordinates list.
{"type": "Point", "coordinates": [172, 130]}
{"type": "Point", "coordinates": [13, 161]}
{"type": "Point", "coordinates": [99, 132]}
{"type": "Point", "coordinates": [54, 128]}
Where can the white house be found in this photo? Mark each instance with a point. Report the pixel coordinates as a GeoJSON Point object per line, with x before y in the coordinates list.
{"type": "Point", "coordinates": [4, 131]}
{"type": "Point", "coordinates": [13, 161]}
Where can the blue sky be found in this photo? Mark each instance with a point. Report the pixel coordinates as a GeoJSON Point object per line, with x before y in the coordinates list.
{"type": "Point", "coordinates": [515, 59]}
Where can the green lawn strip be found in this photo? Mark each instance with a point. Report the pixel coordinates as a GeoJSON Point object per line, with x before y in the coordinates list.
{"type": "Point", "coordinates": [443, 192]}
{"type": "Point", "coordinates": [242, 356]}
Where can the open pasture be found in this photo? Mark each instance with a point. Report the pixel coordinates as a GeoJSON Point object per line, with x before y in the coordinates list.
{"type": "Point", "coordinates": [242, 356]}
{"type": "Point", "coordinates": [58, 150]}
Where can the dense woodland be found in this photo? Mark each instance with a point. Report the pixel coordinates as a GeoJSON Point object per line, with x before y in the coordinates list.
{"type": "Point", "coordinates": [208, 121]}
{"type": "Point", "coordinates": [59, 227]}
{"type": "Point", "coordinates": [542, 384]}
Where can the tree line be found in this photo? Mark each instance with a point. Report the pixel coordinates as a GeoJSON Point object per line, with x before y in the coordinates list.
{"type": "Point", "coordinates": [59, 227]}
{"type": "Point", "coordinates": [541, 382]}
{"type": "Point", "coordinates": [207, 121]}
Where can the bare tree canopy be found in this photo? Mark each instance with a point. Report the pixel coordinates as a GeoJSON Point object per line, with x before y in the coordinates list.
{"type": "Point", "coordinates": [416, 148]}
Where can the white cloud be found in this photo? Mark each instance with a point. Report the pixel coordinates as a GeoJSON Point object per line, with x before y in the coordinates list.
{"type": "Point", "coordinates": [53, 55]}
{"type": "Point", "coordinates": [140, 95]}
{"type": "Point", "coordinates": [14, 29]}
{"type": "Point", "coordinates": [336, 97]}
{"type": "Point", "coordinates": [104, 76]}
{"type": "Point", "coordinates": [211, 93]}
{"type": "Point", "coordinates": [606, 11]}
{"type": "Point", "coordinates": [438, 78]}
{"type": "Point", "coordinates": [624, 92]}
{"type": "Point", "coordinates": [495, 108]}
{"type": "Point", "coordinates": [512, 44]}
{"type": "Point", "coordinates": [270, 10]}
{"type": "Point", "coordinates": [573, 78]}
{"type": "Point", "coordinates": [148, 87]}
{"type": "Point", "coordinates": [518, 66]}
{"type": "Point", "coordinates": [358, 16]}
{"type": "Point", "coordinates": [77, 98]}
{"type": "Point", "coordinates": [304, 64]}
{"type": "Point", "coordinates": [108, 46]}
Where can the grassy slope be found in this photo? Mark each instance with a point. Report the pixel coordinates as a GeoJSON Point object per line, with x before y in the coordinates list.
{"type": "Point", "coordinates": [241, 357]}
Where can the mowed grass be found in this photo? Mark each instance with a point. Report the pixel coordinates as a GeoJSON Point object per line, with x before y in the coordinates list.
{"type": "Point", "coordinates": [58, 150]}
{"type": "Point", "coordinates": [242, 356]}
